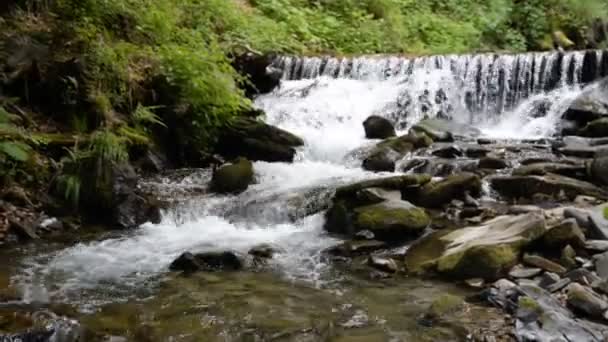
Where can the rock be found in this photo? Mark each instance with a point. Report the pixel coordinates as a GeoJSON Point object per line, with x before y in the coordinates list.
{"type": "Point", "coordinates": [357, 247]}
{"type": "Point", "coordinates": [580, 216]}
{"type": "Point", "coordinates": [582, 276]}
{"type": "Point", "coordinates": [383, 156]}
{"type": "Point", "coordinates": [485, 141]}
{"type": "Point", "coordinates": [595, 129]}
{"type": "Point", "coordinates": [486, 251]}
{"type": "Point", "coordinates": [438, 167]}
{"type": "Point", "coordinates": [207, 262]}
{"type": "Point", "coordinates": [383, 264]}
{"type": "Point", "coordinates": [586, 301]}
{"type": "Point", "coordinates": [541, 169]}
{"type": "Point", "coordinates": [545, 264]}
{"type": "Point", "coordinates": [492, 163]}
{"type": "Point", "coordinates": [233, 178]}
{"type": "Point", "coordinates": [445, 130]}
{"type": "Point", "coordinates": [584, 147]}
{"type": "Point", "coordinates": [152, 162]}
{"type": "Point", "coordinates": [601, 266]}
{"type": "Point", "coordinates": [476, 151]}
{"type": "Point", "coordinates": [566, 233]}
{"type": "Point", "coordinates": [377, 127]}
{"type": "Point", "coordinates": [552, 185]}
{"type": "Point", "coordinates": [597, 245]}
{"type": "Point", "coordinates": [599, 170]}
{"type": "Point", "coordinates": [444, 305]}
{"type": "Point", "coordinates": [392, 220]}
{"type": "Point", "coordinates": [567, 258]}
{"type": "Point", "coordinates": [559, 285]}
{"type": "Point", "coordinates": [448, 152]}
{"type": "Point", "coordinates": [589, 106]}
{"type": "Point", "coordinates": [263, 78]}
{"type": "Point", "coordinates": [520, 271]}
{"type": "Point", "coordinates": [264, 251]}
{"type": "Point", "coordinates": [24, 229]}
{"type": "Point", "coordinates": [476, 283]}
{"type": "Point", "coordinates": [256, 140]}
{"type": "Point", "coordinates": [598, 222]}
{"type": "Point", "coordinates": [436, 194]}
{"type": "Point", "coordinates": [548, 279]}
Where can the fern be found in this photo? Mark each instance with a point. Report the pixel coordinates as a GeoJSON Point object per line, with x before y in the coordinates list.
{"type": "Point", "coordinates": [17, 151]}
{"type": "Point", "coordinates": [145, 115]}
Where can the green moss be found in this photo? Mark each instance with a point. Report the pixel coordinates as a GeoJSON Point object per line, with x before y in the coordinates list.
{"type": "Point", "coordinates": [487, 262]}
{"type": "Point", "coordinates": [445, 304]}
{"type": "Point", "coordinates": [606, 212]}
{"type": "Point", "coordinates": [528, 303]}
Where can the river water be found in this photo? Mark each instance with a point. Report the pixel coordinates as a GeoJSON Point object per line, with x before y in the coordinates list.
{"type": "Point", "coordinates": [122, 280]}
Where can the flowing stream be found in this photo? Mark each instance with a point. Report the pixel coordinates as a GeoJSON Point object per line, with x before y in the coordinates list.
{"type": "Point", "coordinates": [324, 101]}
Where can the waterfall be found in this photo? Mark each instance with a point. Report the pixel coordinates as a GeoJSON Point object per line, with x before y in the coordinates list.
{"type": "Point", "coordinates": [447, 85]}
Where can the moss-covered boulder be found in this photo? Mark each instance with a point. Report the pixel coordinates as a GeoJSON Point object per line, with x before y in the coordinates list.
{"type": "Point", "coordinates": [552, 185]}
{"type": "Point", "coordinates": [487, 251]}
{"type": "Point", "coordinates": [392, 220]}
{"type": "Point", "coordinates": [436, 194]}
{"type": "Point", "coordinates": [234, 177]}
{"type": "Point", "coordinates": [256, 140]}
{"type": "Point", "coordinates": [376, 205]}
{"type": "Point", "coordinates": [383, 156]}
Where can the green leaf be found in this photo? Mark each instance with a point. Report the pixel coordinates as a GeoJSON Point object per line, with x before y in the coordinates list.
{"type": "Point", "coordinates": [15, 150]}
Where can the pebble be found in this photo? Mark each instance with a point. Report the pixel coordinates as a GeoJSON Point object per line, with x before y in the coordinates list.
{"type": "Point", "coordinates": [545, 264]}
{"type": "Point", "coordinates": [524, 272]}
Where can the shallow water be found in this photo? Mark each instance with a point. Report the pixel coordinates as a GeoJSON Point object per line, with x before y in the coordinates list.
{"type": "Point", "coordinates": [121, 283]}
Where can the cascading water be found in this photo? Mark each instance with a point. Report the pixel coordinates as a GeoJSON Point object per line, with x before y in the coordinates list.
{"type": "Point", "coordinates": [325, 101]}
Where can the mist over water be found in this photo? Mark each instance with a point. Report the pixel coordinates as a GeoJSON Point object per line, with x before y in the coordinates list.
{"type": "Point", "coordinates": [324, 101]}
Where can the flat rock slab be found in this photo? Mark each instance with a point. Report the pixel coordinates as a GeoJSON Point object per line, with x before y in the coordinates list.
{"type": "Point", "coordinates": [545, 264]}
{"type": "Point", "coordinates": [524, 272]}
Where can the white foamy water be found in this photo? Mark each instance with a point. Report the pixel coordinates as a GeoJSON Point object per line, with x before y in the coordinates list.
{"type": "Point", "coordinates": [328, 114]}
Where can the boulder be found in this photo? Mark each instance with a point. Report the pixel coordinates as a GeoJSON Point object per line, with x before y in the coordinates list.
{"type": "Point", "coordinates": [207, 262]}
{"type": "Point", "coordinates": [566, 233]}
{"type": "Point", "coordinates": [492, 163]}
{"type": "Point", "coordinates": [599, 170]}
{"type": "Point", "coordinates": [595, 129]}
{"type": "Point", "coordinates": [598, 222]}
{"type": "Point", "coordinates": [234, 177]}
{"type": "Point", "coordinates": [263, 78]}
{"type": "Point", "coordinates": [436, 194]}
{"type": "Point", "coordinates": [551, 185]}
{"type": "Point", "coordinates": [376, 206]}
{"type": "Point", "coordinates": [541, 169]}
{"type": "Point", "coordinates": [385, 154]}
{"type": "Point", "coordinates": [445, 130]}
{"type": "Point", "coordinates": [591, 105]}
{"type": "Point", "coordinates": [586, 301]}
{"type": "Point", "coordinates": [486, 251]}
{"type": "Point", "coordinates": [377, 127]}
{"type": "Point", "coordinates": [583, 147]}
{"type": "Point", "coordinates": [256, 140]}
{"type": "Point", "coordinates": [392, 220]}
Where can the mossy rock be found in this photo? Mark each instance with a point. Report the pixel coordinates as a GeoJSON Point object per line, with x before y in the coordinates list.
{"type": "Point", "coordinates": [392, 220]}
{"type": "Point", "coordinates": [552, 185]}
{"type": "Point", "coordinates": [444, 305]}
{"type": "Point", "coordinates": [233, 178]}
{"type": "Point", "coordinates": [436, 194]}
{"type": "Point", "coordinates": [384, 155]}
{"type": "Point", "coordinates": [444, 130]}
{"type": "Point", "coordinates": [487, 251]}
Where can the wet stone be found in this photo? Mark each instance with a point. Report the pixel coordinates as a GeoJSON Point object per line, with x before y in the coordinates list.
{"type": "Point", "coordinates": [548, 279]}
{"type": "Point", "coordinates": [601, 265]}
{"type": "Point", "coordinates": [597, 245]}
{"type": "Point", "coordinates": [582, 276]}
{"type": "Point", "coordinates": [559, 285]}
{"type": "Point", "coordinates": [520, 271]}
{"type": "Point", "coordinates": [476, 283]}
{"type": "Point", "coordinates": [383, 264]}
{"type": "Point", "coordinates": [545, 264]}
{"type": "Point", "coordinates": [357, 247]}
{"type": "Point", "coordinates": [586, 301]}
{"type": "Point", "coordinates": [265, 251]}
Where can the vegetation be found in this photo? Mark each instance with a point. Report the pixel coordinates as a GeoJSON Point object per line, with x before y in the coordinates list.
{"type": "Point", "coordinates": [117, 77]}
